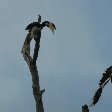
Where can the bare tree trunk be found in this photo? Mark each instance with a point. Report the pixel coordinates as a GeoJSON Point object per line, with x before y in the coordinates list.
{"type": "Point", "coordinates": [34, 73]}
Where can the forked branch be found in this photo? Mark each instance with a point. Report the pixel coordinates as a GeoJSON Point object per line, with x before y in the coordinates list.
{"type": "Point", "coordinates": [34, 73]}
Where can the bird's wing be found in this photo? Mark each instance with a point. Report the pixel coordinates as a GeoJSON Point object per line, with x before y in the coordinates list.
{"type": "Point", "coordinates": [29, 27]}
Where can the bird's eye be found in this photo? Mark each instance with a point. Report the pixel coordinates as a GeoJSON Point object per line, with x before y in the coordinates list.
{"type": "Point", "coordinates": [47, 23]}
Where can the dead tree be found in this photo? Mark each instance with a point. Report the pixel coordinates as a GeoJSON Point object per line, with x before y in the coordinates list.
{"type": "Point", "coordinates": [35, 33]}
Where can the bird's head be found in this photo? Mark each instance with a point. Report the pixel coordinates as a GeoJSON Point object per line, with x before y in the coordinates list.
{"type": "Point", "coordinates": [51, 26]}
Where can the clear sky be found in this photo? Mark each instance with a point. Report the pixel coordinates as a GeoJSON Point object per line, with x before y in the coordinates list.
{"type": "Point", "coordinates": [70, 62]}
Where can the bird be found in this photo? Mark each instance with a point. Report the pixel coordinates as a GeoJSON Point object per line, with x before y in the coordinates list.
{"type": "Point", "coordinates": [36, 27]}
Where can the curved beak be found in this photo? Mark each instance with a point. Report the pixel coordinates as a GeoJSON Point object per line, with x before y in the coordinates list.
{"type": "Point", "coordinates": [51, 26]}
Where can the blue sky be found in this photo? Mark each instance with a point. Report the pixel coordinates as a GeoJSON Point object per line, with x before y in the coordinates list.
{"type": "Point", "coordinates": [70, 62]}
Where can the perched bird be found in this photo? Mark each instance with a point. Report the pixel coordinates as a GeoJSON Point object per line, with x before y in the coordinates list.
{"type": "Point", "coordinates": [35, 29]}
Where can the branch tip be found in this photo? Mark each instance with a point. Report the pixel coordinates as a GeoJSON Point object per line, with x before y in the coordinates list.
{"type": "Point", "coordinates": [42, 91]}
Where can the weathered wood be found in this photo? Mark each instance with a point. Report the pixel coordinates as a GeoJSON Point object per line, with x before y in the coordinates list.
{"type": "Point", "coordinates": [34, 73]}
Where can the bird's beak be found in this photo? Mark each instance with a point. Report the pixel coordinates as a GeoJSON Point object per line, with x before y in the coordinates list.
{"type": "Point", "coordinates": [51, 26]}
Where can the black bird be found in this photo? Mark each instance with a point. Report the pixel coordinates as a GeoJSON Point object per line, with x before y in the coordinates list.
{"type": "Point", "coordinates": [35, 29]}
{"type": "Point", "coordinates": [38, 26]}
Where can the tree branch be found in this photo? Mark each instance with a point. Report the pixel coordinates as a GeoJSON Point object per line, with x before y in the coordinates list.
{"type": "Point", "coordinates": [34, 73]}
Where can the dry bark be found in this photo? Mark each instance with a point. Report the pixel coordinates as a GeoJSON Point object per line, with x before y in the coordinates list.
{"type": "Point", "coordinates": [34, 73]}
